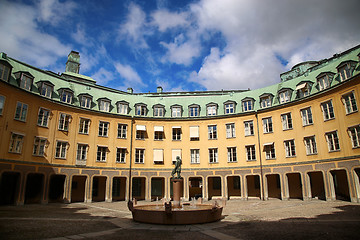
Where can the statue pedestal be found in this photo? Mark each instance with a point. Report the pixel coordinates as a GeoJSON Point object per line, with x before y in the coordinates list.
{"type": "Point", "coordinates": [177, 190]}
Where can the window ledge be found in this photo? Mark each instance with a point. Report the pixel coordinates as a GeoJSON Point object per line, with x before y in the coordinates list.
{"type": "Point", "coordinates": [346, 114]}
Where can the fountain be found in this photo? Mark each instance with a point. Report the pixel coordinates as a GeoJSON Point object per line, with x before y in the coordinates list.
{"type": "Point", "coordinates": [175, 212]}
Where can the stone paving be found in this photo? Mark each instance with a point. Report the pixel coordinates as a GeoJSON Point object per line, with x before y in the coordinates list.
{"type": "Point", "coordinates": [253, 219]}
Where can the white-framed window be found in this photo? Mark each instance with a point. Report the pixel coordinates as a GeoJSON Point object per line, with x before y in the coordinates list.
{"type": "Point", "coordinates": [290, 148]}
{"type": "Point", "coordinates": [194, 156]}
{"type": "Point", "coordinates": [266, 101]}
{"type": "Point", "coordinates": [332, 141]}
{"type": "Point", "coordinates": [354, 133]}
{"type": "Point", "coordinates": [212, 131]}
{"type": "Point", "coordinates": [250, 153]}
{"type": "Point", "coordinates": [349, 102]}
{"type": "Point", "coordinates": [267, 125]}
{"type": "Point", "coordinates": [66, 96]}
{"type": "Point", "coordinates": [64, 122]}
{"type": "Point", "coordinates": [39, 146]}
{"type": "Point", "coordinates": [211, 110]}
{"type": "Point", "coordinates": [194, 111]}
{"type": "Point", "coordinates": [122, 130]}
{"type": "Point", "coordinates": [248, 105]}
{"type": "Point", "coordinates": [139, 155]}
{"type": "Point", "coordinates": [176, 111]}
{"type": "Point", "coordinates": [269, 149]}
{"type": "Point", "coordinates": [323, 81]}
{"type": "Point", "coordinates": [122, 107]}
{"type": "Point", "coordinates": [249, 128]}
{"type": "Point", "coordinates": [2, 104]}
{"type": "Point", "coordinates": [46, 90]}
{"type": "Point", "coordinates": [213, 155]}
{"type": "Point", "coordinates": [103, 128]}
{"type": "Point", "coordinates": [16, 143]}
{"type": "Point", "coordinates": [26, 82]}
{"type": "Point", "coordinates": [120, 155]}
{"type": "Point", "coordinates": [140, 110]}
{"type": "Point", "coordinates": [345, 71]}
{"type": "Point", "coordinates": [104, 105]}
{"type": "Point", "coordinates": [4, 72]}
{"type": "Point", "coordinates": [194, 133]}
{"type": "Point", "coordinates": [81, 153]}
{"type": "Point", "coordinates": [84, 125]}
{"type": "Point", "coordinates": [303, 89]}
{"type": "Point", "coordinates": [229, 108]}
{"type": "Point", "coordinates": [43, 117]}
{"type": "Point", "coordinates": [286, 121]}
{"type": "Point", "coordinates": [176, 133]}
{"type": "Point", "coordinates": [158, 133]}
{"type": "Point", "coordinates": [85, 101]}
{"type": "Point", "coordinates": [101, 153]}
{"type": "Point", "coordinates": [284, 96]}
{"type": "Point", "coordinates": [140, 132]}
{"type": "Point", "coordinates": [306, 116]}
{"type": "Point", "coordinates": [159, 111]}
{"type": "Point", "coordinates": [230, 130]}
{"type": "Point", "coordinates": [21, 111]}
{"type": "Point", "coordinates": [310, 145]}
{"type": "Point", "coordinates": [231, 153]}
{"type": "Point", "coordinates": [60, 150]}
{"type": "Point", "coordinates": [328, 110]}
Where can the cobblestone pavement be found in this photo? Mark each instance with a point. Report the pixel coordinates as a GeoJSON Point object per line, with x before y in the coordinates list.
{"type": "Point", "coordinates": [253, 219]}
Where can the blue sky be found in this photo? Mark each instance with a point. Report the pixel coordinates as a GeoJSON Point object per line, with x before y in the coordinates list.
{"type": "Point", "coordinates": [179, 45]}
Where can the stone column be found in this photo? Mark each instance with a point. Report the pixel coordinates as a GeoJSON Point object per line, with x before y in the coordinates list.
{"type": "Point", "coordinates": [177, 190]}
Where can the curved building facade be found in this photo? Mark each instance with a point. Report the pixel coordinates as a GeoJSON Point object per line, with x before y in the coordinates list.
{"type": "Point", "coordinates": [66, 139]}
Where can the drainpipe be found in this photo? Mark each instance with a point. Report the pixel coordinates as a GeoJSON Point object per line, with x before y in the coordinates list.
{"type": "Point", "coordinates": [131, 143]}
{"type": "Point", "coordinates": [261, 167]}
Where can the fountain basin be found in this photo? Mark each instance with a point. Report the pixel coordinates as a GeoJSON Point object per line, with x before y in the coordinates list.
{"type": "Point", "coordinates": [157, 214]}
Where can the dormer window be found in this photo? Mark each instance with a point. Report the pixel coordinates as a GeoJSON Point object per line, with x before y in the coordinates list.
{"type": "Point", "coordinates": [247, 104]}
{"type": "Point", "coordinates": [303, 89]}
{"type": "Point", "coordinates": [229, 107]}
{"type": "Point", "coordinates": [194, 110]}
{"type": "Point", "coordinates": [104, 104]}
{"type": "Point", "coordinates": [176, 111]}
{"type": "Point", "coordinates": [45, 88]}
{"type": "Point", "coordinates": [85, 100]}
{"type": "Point", "coordinates": [25, 80]}
{"type": "Point", "coordinates": [66, 95]}
{"type": "Point", "coordinates": [122, 107]}
{"type": "Point", "coordinates": [284, 96]}
{"type": "Point", "coordinates": [266, 100]}
{"type": "Point", "coordinates": [211, 109]}
{"type": "Point", "coordinates": [159, 110]}
{"type": "Point", "coordinates": [345, 69]}
{"type": "Point", "coordinates": [140, 109]}
{"type": "Point", "coordinates": [324, 80]}
{"type": "Point", "coordinates": [5, 70]}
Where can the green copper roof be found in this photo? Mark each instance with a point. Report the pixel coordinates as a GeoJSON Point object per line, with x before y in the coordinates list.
{"type": "Point", "coordinates": [80, 84]}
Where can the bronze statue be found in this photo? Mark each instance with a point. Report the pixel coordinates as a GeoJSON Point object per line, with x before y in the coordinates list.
{"type": "Point", "coordinates": [177, 168]}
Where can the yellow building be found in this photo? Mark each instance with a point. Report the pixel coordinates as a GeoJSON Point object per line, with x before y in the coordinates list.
{"type": "Point", "coordinates": [66, 139]}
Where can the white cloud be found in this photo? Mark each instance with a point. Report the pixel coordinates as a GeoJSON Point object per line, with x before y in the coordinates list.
{"type": "Point", "coordinates": [256, 31]}
{"type": "Point", "coordinates": [165, 19]}
{"type": "Point", "coordinates": [129, 75]}
{"type": "Point", "coordinates": [103, 76]}
{"type": "Point", "coordinates": [181, 51]}
{"type": "Point", "coordinates": [21, 38]}
{"type": "Point", "coordinates": [134, 29]}
{"type": "Point", "coordinates": [53, 11]}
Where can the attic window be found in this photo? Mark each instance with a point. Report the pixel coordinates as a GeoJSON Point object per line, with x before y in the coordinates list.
{"type": "Point", "coordinates": [104, 104]}
{"type": "Point", "coordinates": [26, 81]}
{"type": "Point", "coordinates": [229, 107]}
{"type": "Point", "coordinates": [140, 109]}
{"type": "Point", "coordinates": [345, 70]}
{"type": "Point", "coordinates": [266, 100]}
{"type": "Point", "coordinates": [211, 109]}
{"type": "Point", "coordinates": [303, 89]}
{"type": "Point", "coordinates": [176, 111]}
{"type": "Point", "coordinates": [159, 110]}
{"type": "Point", "coordinates": [324, 80]}
{"type": "Point", "coordinates": [284, 96]}
{"type": "Point", "coordinates": [122, 107]}
{"type": "Point", "coordinates": [194, 110]}
{"type": "Point", "coordinates": [5, 71]}
{"type": "Point", "coordinates": [247, 105]}
{"type": "Point", "coordinates": [66, 95]}
{"type": "Point", "coordinates": [85, 100]}
{"type": "Point", "coordinates": [46, 89]}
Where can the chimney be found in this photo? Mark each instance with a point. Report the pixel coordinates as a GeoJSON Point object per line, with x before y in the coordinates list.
{"type": "Point", "coordinates": [73, 62]}
{"type": "Point", "coordinates": [159, 89]}
{"type": "Point", "coordinates": [130, 90]}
